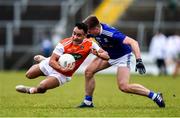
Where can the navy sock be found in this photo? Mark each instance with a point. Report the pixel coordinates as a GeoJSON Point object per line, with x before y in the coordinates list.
{"type": "Point", "coordinates": [89, 98]}
{"type": "Point", "coordinates": [151, 94]}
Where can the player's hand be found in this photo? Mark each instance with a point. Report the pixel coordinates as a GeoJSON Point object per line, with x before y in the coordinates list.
{"type": "Point", "coordinates": [140, 66]}
{"type": "Point", "coordinates": [69, 67]}
{"type": "Point", "coordinates": [94, 51]}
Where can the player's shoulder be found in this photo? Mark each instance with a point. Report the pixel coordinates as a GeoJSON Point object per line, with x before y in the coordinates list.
{"type": "Point", "coordinates": [66, 41]}
{"type": "Point", "coordinates": [108, 30]}
{"type": "Point", "coordinates": [88, 40]}
{"type": "Point", "coordinates": [112, 32]}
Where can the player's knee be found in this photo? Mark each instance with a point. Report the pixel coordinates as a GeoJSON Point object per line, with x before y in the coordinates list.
{"type": "Point", "coordinates": [41, 89]}
{"type": "Point", "coordinates": [29, 75]}
{"type": "Point", "coordinates": [88, 73]}
{"type": "Point", "coordinates": [124, 87]}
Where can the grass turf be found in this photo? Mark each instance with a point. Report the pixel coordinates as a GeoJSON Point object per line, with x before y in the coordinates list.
{"type": "Point", "coordinates": [108, 100]}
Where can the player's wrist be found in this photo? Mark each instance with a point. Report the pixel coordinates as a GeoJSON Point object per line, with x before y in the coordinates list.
{"type": "Point", "coordinates": [98, 54]}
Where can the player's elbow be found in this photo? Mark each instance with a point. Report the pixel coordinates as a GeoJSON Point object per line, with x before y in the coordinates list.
{"type": "Point", "coordinates": [51, 63]}
{"type": "Point", "coordinates": [136, 43]}
{"type": "Point", "coordinates": [130, 41]}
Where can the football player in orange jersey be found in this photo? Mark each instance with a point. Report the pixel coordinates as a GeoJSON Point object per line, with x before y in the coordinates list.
{"type": "Point", "coordinates": [77, 45]}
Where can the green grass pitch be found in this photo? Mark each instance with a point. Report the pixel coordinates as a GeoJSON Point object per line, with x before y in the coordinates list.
{"type": "Point", "coordinates": [108, 100]}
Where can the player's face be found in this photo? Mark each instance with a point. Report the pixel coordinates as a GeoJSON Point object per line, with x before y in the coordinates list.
{"type": "Point", "coordinates": [95, 31]}
{"type": "Point", "coordinates": [78, 35]}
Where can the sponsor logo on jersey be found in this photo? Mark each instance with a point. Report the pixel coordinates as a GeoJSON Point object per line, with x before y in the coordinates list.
{"type": "Point", "coordinates": [76, 56]}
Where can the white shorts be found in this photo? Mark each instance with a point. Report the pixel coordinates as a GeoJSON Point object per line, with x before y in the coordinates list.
{"type": "Point", "coordinates": [123, 61]}
{"type": "Point", "coordinates": [49, 71]}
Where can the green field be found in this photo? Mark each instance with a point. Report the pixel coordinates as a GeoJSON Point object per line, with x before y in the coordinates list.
{"type": "Point", "coordinates": [108, 100]}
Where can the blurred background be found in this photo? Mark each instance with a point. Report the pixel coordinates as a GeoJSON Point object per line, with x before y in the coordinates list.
{"type": "Point", "coordinates": [30, 27]}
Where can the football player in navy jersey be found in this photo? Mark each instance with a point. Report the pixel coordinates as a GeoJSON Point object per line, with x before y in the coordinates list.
{"type": "Point", "coordinates": [120, 48]}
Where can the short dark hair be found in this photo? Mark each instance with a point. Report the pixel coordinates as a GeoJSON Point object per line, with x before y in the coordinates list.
{"type": "Point", "coordinates": [91, 21]}
{"type": "Point", "coordinates": [82, 26]}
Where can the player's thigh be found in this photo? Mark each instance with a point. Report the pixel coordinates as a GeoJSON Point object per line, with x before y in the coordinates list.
{"type": "Point", "coordinates": [34, 71]}
{"type": "Point", "coordinates": [49, 83]}
{"type": "Point", "coordinates": [97, 64]}
{"type": "Point", "coordinates": [123, 75]}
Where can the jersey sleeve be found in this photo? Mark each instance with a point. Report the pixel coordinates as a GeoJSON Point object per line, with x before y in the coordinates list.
{"type": "Point", "coordinates": [59, 49]}
{"type": "Point", "coordinates": [95, 46]}
{"type": "Point", "coordinates": [119, 36]}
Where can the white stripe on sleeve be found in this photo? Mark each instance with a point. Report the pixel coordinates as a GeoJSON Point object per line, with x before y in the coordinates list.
{"type": "Point", "coordinates": [59, 49]}
{"type": "Point", "coordinates": [95, 46]}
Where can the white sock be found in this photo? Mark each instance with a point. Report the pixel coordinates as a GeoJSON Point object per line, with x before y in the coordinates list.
{"type": "Point", "coordinates": [154, 96]}
{"type": "Point", "coordinates": [32, 90]}
{"type": "Point", "coordinates": [87, 102]}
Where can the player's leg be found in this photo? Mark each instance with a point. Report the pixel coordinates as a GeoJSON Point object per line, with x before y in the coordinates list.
{"type": "Point", "coordinates": [34, 72]}
{"type": "Point", "coordinates": [96, 65]}
{"type": "Point", "coordinates": [48, 83]}
{"type": "Point", "coordinates": [123, 76]}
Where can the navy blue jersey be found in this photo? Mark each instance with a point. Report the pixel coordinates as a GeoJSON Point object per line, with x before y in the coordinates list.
{"type": "Point", "coordinates": [111, 40]}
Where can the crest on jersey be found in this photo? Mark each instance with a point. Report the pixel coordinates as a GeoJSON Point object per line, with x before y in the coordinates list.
{"type": "Point", "coordinates": [105, 40]}
{"type": "Point", "coordinates": [81, 47]}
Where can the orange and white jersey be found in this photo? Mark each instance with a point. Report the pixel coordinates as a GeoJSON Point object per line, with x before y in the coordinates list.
{"type": "Point", "coordinates": [80, 52]}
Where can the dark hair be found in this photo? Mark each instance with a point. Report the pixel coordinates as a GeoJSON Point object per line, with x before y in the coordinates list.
{"type": "Point", "coordinates": [82, 26]}
{"type": "Point", "coordinates": [91, 21]}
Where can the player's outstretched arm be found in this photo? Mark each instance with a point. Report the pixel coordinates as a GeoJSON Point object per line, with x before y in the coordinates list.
{"type": "Point", "coordinates": [135, 47]}
{"type": "Point", "coordinates": [101, 53]}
